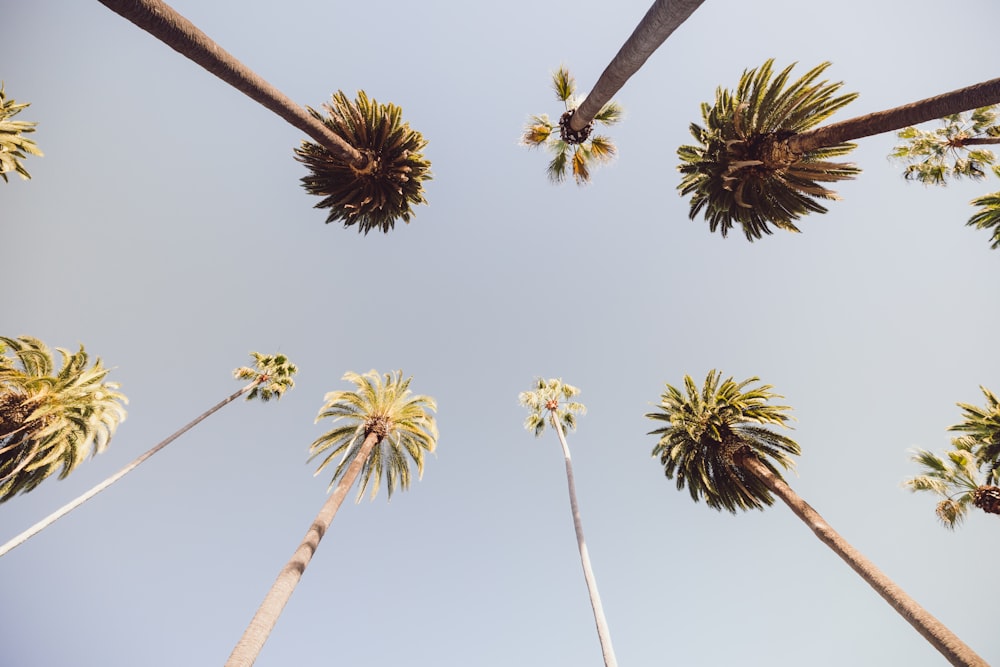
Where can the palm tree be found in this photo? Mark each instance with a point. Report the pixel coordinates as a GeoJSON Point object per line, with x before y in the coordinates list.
{"type": "Point", "coordinates": [981, 429]}
{"type": "Point", "coordinates": [760, 159]}
{"type": "Point", "coordinates": [935, 155]}
{"type": "Point", "coordinates": [715, 443]}
{"type": "Point", "coordinates": [549, 401]}
{"type": "Point", "coordinates": [576, 151]}
{"type": "Point", "coordinates": [954, 477]}
{"type": "Point", "coordinates": [660, 21]}
{"type": "Point", "coordinates": [270, 377]}
{"type": "Point", "coordinates": [382, 425]}
{"type": "Point", "coordinates": [370, 170]}
{"type": "Point", "coordinates": [51, 419]}
{"type": "Point", "coordinates": [13, 143]}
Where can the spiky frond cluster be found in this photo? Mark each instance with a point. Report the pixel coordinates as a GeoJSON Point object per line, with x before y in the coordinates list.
{"type": "Point", "coordinates": [51, 419]}
{"type": "Point", "coordinates": [271, 376]}
{"type": "Point", "coordinates": [573, 152]}
{"type": "Point", "coordinates": [382, 405]}
{"type": "Point", "coordinates": [988, 215]}
{"type": "Point", "coordinates": [551, 399]}
{"type": "Point", "coordinates": [13, 144]}
{"type": "Point", "coordinates": [948, 151]}
{"type": "Point", "coordinates": [742, 172]}
{"type": "Point", "coordinates": [956, 478]}
{"type": "Point", "coordinates": [375, 196]}
{"type": "Point", "coordinates": [980, 428]}
{"type": "Point", "coordinates": [707, 432]}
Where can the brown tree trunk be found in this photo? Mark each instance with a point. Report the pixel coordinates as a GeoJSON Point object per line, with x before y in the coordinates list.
{"type": "Point", "coordinates": [252, 641]}
{"type": "Point", "coordinates": [891, 120]}
{"type": "Point", "coordinates": [73, 504]}
{"type": "Point", "coordinates": [943, 639]}
{"type": "Point", "coordinates": [659, 22]}
{"type": "Point", "coordinates": [164, 23]}
{"type": "Point", "coordinates": [603, 633]}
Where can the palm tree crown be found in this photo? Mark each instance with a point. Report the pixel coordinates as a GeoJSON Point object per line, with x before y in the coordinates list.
{"type": "Point", "coordinates": [708, 432]}
{"type": "Point", "coordinates": [270, 376]}
{"type": "Point", "coordinates": [740, 171]}
{"type": "Point", "coordinates": [573, 150]}
{"type": "Point", "coordinates": [384, 190]}
{"type": "Point", "coordinates": [382, 406]}
{"type": "Point", "coordinates": [50, 419]}
{"type": "Point", "coordinates": [956, 478]}
{"type": "Point", "coordinates": [935, 155]}
{"type": "Point", "coordinates": [550, 398]}
{"type": "Point", "coordinates": [13, 143]}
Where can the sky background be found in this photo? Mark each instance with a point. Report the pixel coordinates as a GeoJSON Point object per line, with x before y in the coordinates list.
{"type": "Point", "coordinates": [167, 231]}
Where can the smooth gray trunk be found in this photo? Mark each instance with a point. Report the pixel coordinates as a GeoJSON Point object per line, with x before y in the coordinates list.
{"type": "Point", "coordinates": [659, 22]}
{"type": "Point", "coordinates": [263, 622]}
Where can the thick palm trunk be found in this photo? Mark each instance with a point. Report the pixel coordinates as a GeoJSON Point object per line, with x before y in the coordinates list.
{"type": "Point", "coordinates": [163, 22]}
{"type": "Point", "coordinates": [891, 120]}
{"type": "Point", "coordinates": [603, 633]}
{"type": "Point", "coordinates": [659, 22]}
{"type": "Point", "coordinates": [943, 639]}
{"type": "Point", "coordinates": [73, 504]}
{"type": "Point", "coordinates": [252, 641]}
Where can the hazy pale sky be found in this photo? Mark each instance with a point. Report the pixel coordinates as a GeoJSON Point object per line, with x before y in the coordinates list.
{"type": "Point", "coordinates": [166, 230]}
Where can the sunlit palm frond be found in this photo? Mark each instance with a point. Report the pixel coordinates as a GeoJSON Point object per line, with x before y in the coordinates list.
{"type": "Point", "coordinates": [271, 376]}
{"type": "Point", "coordinates": [551, 399]}
{"type": "Point", "coordinates": [383, 192]}
{"type": "Point", "coordinates": [980, 427]}
{"type": "Point", "coordinates": [949, 151]}
{"type": "Point", "coordinates": [384, 406]}
{"type": "Point", "coordinates": [988, 216]}
{"type": "Point", "coordinates": [14, 145]}
{"type": "Point", "coordinates": [741, 171]}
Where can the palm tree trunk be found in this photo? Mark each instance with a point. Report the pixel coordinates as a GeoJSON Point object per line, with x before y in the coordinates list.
{"type": "Point", "coordinates": [603, 633]}
{"type": "Point", "coordinates": [972, 97]}
{"type": "Point", "coordinates": [943, 639]}
{"type": "Point", "coordinates": [73, 504]}
{"type": "Point", "coordinates": [164, 23]}
{"type": "Point", "coordinates": [261, 625]}
{"type": "Point", "coordinates": [659, 22]}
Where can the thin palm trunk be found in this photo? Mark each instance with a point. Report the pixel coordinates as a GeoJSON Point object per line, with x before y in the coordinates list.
{"type": "Point", "coordinates": [73, 504]}
{"type": "Point", "coordinates": [261, 625]}
{"type": "Point", "coordinates": [971, 97]}
{"type": "Point", "coordinates": [164, 23]}
{"type": "Point", "coordinates": [943, 639]}
{"type": "Point", "coordinates": [603, 633]}
{"type": "Point", "coordinates": [659, 22]}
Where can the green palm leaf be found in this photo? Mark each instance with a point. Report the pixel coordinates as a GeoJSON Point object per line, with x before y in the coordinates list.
{"type": "Point", "coordinates": [988, 216]}
{"type": "Point", "coordinates": [936, 155]}
{"type": "Point", "coordinates": [980, 427]}
{"type": "Point", "coordinates": [14, 146]}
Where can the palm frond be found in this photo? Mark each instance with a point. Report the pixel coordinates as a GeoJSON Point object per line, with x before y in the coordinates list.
{"type": "Point", "coordinates": [14, 145]}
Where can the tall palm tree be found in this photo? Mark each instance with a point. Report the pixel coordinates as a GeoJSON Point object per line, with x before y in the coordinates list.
{"type": "Point", "coordinates": [370, 169]}
{"type": "Point", "coordinates": [659, 22]}
{"type": "Point", "coordinates": [13, 143]}
{"type": "Point", "coordinates": [48, 418]}
{"type": "Point", "coordinates": [577, 152]}
{"type": "Point", "coordinates": [383, 423]}
{"type": "Point", "coordinates": [550, 401]}
{"type": "Point", "coordinates": [956, 478]}
{"type": "Point", "coordinates": [981, 429]}
{"type": "Point", "coordinates": [760, 160]}
{"type": "Point", "coordinates": [270, 377]}
{"type": "Point", "coordinates": [715, 443]}
{"type": "Point", "coordinates": [936, 155]}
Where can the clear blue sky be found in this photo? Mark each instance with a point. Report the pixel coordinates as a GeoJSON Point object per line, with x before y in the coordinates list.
{"type": "Point", "coordinates": [166, 229]}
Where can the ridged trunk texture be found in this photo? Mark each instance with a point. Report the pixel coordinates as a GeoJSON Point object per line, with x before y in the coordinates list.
{"type": "Point", "coordinates": [263, 622]}
{"type": "Point", "coordinates": [659, 22]}
{"type": "Point", "coordinates": [73, 504]}
{"type": "Point", "coordinates": [891, 120]}
{"type": "Point", "coordinates": [164, 23]}
{"type": "Point", "coordinates": [603, 633]}
{"type": "Point", "coordinates": [943, 639]}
